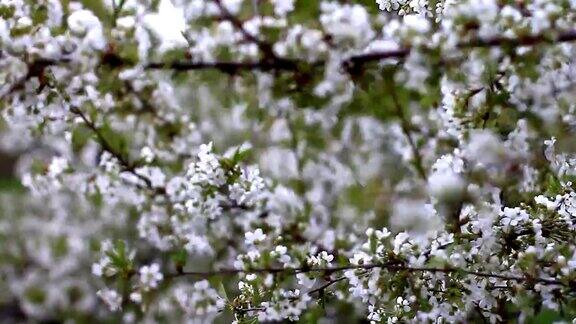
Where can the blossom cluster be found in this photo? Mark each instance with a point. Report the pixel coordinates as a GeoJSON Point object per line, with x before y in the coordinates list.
{"type": "Point", "coordinates": [255, 161]}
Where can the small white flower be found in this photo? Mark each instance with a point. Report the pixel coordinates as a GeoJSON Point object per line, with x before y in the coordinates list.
{"type": "Point", "coordinates": [281, 250]}
{"type": "Point", "coordinates": [57, 166]}
{"type": "Point", "coordinates": [24, 22]}
{"type": "Point", "coordinates": [326, 257]}
{"type": "Point", "coordinates": [147, 154]}
{"type": "Point", "coordinates": [254, 237]}
{"type": "Point", "coordinates": [282, 7]}
{"type": "Point", "coordinates": [150, 276]}
{"type": "Point", "coordinates": [136, 297]}
{"type": "Point", "coordinates": [111, 298]}
{"type": "Point", "coordinates": [305, 281]}
{"type": "Point", "coordinates": [97, 269]}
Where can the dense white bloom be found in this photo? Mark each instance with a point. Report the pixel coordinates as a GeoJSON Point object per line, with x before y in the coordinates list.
{"type": "Point", "coordinates": [445, 185]}
{"type": "Point", "coordinates": [57, 166]}
{"type": "Point", "coordinates": [415, 216]}
{"type": "Point", "coordinates": [389, 5]}
{"type": "Point", "coordinates": [85, 24]}
{"type": "Point", "coordinates": [282, 7]}
{"type": "Point", "coordinates": [486, 149]}
{"type": "Point", "coordinates": [207, 169]}
{"type": "Point", "coordinates": [197, 245]}
{"type": "Point", "coordinates": [347, 23]}
{"type": "Point", "coordinates": [168, 24]}
{"type": "Point", "coordinates": [198, 299]}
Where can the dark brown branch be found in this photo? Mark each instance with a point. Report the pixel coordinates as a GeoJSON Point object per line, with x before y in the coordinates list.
{"type": "Point", "coordinates": [283, 64]}
{"type": "Point", "coordinates": [361, 59]}
{"type": "Point", "coordinates": [529, 40]}
{"type": "Point", "coordinates": [227, 67]}
{"type": "Point", "coordinates": [326, 285]}
{"type": "Point", "coordinates": [35, 69]}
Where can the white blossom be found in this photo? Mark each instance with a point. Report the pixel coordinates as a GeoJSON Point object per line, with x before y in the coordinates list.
{"type": "Point", "coordinates": [150, 276]}
{"type": "Point", "coordinates": [112, 299]}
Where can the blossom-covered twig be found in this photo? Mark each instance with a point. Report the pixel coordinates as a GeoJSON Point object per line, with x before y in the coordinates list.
{"type": "Point", "coordinates": [394, 267]}
{"type": "Point", "coordinates": [479, 42]}
{"type": "Point", "coordinates": [283, 64]}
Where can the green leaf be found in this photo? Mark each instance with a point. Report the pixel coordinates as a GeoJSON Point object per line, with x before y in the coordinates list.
{"type": "Point", "coordinates": [116, 141]}
{"type": "Point", "coordinates": [7, 11]}
{"type": "Point", "coordinates": [241, 155]}
{"type": "Point", "coordinates": [221, 290]}
{"type": "Point", "coordinates": [80, 136]}
{"type": "Point", "coordinates": [179, 258]}
{"type": "Point", "coordinates": [40, 15]}
{"type": "Point", "coordinates": [119, 257]}
{"type": "Point", "coordinates": [553, 185]}
{"type": "Point", "coordinates": [99, 9]}
{"type": "Point", "coordinates": [20, 31]}
{"type": "Point", "coordinates": [547, 316]}
{"type": "Point", "coordinates": [11, 185]}
{"type": "Point", "coordinates": [306, 10]}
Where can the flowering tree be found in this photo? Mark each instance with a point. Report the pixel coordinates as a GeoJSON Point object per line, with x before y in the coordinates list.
{"type": "Point", "coordinates": [251, 161]}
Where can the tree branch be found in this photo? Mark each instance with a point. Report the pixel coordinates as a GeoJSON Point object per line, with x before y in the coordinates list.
{"type": "Point", "coordinates": [388, 266]}
{"type": "Point", "coordinates": [531, 40]}
{"type": "Point", "coordinates": [226, 67]}
{"type": "Point", "coordinates": [292, 65]}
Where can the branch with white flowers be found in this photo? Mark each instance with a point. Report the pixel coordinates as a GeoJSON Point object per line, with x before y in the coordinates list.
{"type": "Point", "coordinates": [393, 267]}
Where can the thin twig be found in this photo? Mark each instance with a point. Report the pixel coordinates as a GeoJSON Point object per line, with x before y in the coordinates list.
{"type": "Point", "coordinates": [326, 285]}
{"type": "Point", "coordinates": [125, 164]}
{"type": "Point", "coordinates": [406, 127]}
{"type": "Point", "coordinates": [265, 47]}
